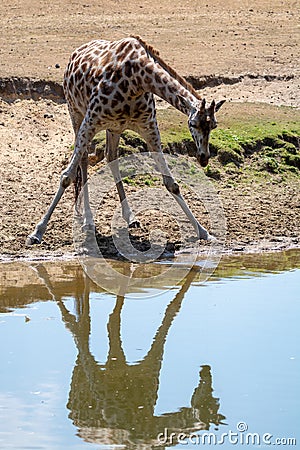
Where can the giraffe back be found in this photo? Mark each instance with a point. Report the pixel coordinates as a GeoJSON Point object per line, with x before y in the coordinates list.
{"type": "Point", "coordinates": [104, 69]}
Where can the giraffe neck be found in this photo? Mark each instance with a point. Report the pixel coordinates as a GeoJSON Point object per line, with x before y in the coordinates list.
{"type": "Point", "coordinates": [165, 86]}
{"type": "Point", "coordinates": [161, 79]}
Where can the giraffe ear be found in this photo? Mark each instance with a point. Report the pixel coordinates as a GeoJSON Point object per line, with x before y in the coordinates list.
{"type": "Point", "coordinates": [219, 104]}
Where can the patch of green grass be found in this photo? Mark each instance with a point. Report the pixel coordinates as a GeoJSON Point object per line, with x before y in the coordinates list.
{"type": "Point", "coordinates": [129, 180]}
{"type": "Point", "coordinates": [212, 172]}
{"type": "Point", "coordinates": [250, 137]}
{"type": "Point", "coordinates": [100, 139]}
{"type": "Point", "coordinates": [145, 180]}
{"type": "Point", "coordinates": [267, 135]}
{"type": "Point", "coordinates": [270, 164]}
{"type": "Point", "coordinates": [130, 142]}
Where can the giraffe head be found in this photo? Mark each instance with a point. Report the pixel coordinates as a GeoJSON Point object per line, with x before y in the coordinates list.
{"type": "Point", "coordinates": [201, 121]}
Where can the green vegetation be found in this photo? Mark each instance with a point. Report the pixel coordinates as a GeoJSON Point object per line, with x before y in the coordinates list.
{"type": "Point", "coordinates": [138, 180]}
{"type": "Point", "coordinates": [250, 138]}
{"type": "Point", "coordinates": [130, 142]}
{"type": "Point", "coordinates": [255, 263]}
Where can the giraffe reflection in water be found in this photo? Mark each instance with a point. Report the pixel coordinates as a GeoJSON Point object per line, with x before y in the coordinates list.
{"type": "Point", "coordinates": [114, 403]}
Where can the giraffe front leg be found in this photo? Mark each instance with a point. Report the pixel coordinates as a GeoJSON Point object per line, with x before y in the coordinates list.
{"type": "Point", "coordinates": [152, 136]}
{"type": "Point", "coordinates": [173, 188]}
{"type": "Point", "coordinates": [85, 134]}
{"type": "Point", "coordinates": [65, 180]}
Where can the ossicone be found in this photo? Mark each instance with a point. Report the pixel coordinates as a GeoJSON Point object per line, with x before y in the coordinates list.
{"type": "Point", "coordinates": [219, 104]}
{"type": "Point", "coordinates": [202, 108]}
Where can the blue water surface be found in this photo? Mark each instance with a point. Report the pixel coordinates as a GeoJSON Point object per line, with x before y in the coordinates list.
{"type": "Point", "coordinates": [81, 368]}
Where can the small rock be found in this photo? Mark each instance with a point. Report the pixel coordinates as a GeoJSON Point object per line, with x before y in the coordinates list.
{"type": "Point", "coordinates": [57, 66]}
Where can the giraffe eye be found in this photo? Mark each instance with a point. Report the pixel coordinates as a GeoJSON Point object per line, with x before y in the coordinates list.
{"type": "Point", "coordinates": [192, 124]}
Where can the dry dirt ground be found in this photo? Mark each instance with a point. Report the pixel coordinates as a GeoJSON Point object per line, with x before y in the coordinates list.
{"type": "Point", "coordinates": [251, 48]}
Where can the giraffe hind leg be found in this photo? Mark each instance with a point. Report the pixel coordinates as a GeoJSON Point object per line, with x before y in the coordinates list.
{"type": "Point", "coordinates": [112, 142]}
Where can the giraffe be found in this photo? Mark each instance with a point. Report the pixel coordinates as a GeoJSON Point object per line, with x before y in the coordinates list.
{"type": "Point", "coordinates": [110, 85]}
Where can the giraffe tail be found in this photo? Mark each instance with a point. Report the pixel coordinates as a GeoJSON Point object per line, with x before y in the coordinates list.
{"type": "Point", "coordinates": [77, 184]}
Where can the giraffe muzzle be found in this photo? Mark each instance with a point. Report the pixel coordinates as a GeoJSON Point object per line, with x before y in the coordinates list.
{"type": "Point", "coordinates": [203, 160]}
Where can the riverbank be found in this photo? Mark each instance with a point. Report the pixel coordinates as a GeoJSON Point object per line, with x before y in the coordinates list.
{"type": "Point", "coordinates": [254, 170]}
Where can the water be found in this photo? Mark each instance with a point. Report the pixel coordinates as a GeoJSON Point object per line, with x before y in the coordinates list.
{"type": "Point", "coordinates": [202, 364]}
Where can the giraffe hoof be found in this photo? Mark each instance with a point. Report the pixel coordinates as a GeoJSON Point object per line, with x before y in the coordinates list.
{"type": "Point", "coordinates": [32, 240]}
{"type": "Point", "coordinates": [93, 160]}
{"type": "Point", "coordinates": [135, 224]}
{"type": "Point", "coordinates": [211, 238]}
